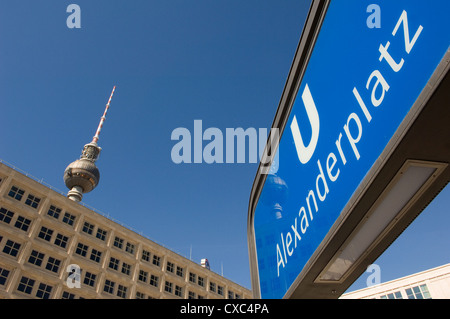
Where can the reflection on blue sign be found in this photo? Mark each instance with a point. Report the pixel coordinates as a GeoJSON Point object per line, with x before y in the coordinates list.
{"type": "Point", "coordinates": [359, 85]}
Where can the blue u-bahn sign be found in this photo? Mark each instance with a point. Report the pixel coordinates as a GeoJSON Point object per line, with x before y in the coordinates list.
{"type": "Point", "coordinates": [359, 85]}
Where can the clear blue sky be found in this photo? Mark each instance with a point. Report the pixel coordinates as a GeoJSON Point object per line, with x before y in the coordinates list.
{"type": "Point", "coordinates": [173, 61]}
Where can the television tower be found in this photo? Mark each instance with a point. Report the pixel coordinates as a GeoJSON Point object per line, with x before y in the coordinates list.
{"type": "Point", "coordinates": [82, 176]}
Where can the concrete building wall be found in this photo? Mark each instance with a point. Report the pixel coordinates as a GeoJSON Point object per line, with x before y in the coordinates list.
{"type": "Point", "coordinates": [42, 233]}
{"type": "Point", "coordinates": [430, 284]}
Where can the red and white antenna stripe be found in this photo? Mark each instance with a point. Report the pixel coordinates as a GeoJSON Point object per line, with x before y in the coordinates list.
{"type": "Point", "coordinates": [103, 118]}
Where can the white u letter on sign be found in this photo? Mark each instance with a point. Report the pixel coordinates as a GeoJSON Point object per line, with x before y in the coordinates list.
{"type": "Point", "coordinates": [306, 152]}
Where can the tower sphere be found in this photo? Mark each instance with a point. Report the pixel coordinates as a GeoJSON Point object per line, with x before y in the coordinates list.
{"type": "Point", "coordinates": [82, 173]}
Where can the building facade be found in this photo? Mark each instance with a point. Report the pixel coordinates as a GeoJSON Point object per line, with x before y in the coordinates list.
{"type": "Point", "coordinates": [54, 247]}
{"type": "Point", "coordinates": [430, 284]}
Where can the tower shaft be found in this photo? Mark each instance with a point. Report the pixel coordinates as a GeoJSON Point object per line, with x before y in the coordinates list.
{"type": "Point", "coordinates": [103, 118]}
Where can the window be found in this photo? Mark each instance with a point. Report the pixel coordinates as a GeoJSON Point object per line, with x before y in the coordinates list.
{"type": "Point", "coordinates": [109, 286]}
{"type": "Point", "coordinates": [180, 271]}
{"type": "Point", "coordinates": [140, 295]}
{"type": "Point", "coordinates": [156, 260]}
{"type": "Point", "coordinates": [89, 279]}
{"type": "Point", "coordinates": [145, 255]}
{"type": "Point", "coordinates": [154, 280]}
{"type": "Point", "coordinates": [220, 290]}
{"type": "Point", "coordinates": [425, 292]}
{"type": "Point", "coordinates": [418, 292]}
{"type": "Point", "coordinates": [16, 193]}
{"type": "Point", "coordinates": [212, 287]}
{"type": "Point", "coordinates": [96, 255]}
{"type": "Point", "coordinates": [45, 233]}
{"type": "Point", "coordinates": [192, 277]}
{"type": "Point", "coordinates": [169, 266]}
{"type": "Point", "coordinates": [69, 219]}
{"type": "Point", "coordinates": [201, 281]}
{"type": "Point", "coordinates": [6, 215]}
{"type": "Point", "coordinates": [4, 273]}
{"type": "Point", "coordinates": [114, 263]}
{"type": "Point", "coordinates": [230, 294]}
{"type": "Point", "coordinates": [88, 228]}
{"type": "Point", "coordinates": [168, 287]}
{"type": "Point", "coordinates": [178, 291]}
{"type": "Point", "coordinates": [81, 249]}
{"type": "Point", "coordinates": [11, 248]}
{"type": "Point", "coordinates": [61, 240]}
{"type": "Point", "coordinates": [118, 242]}
{"type": "Point", "coordinates": [394, 295]}
{"type": "Point", "coordinates": [44, 291]}
{"type": "Point", "coordinates": [32, 201]}
{"type": "Point", "coordinates": [122, 291]}
{"type": "Point", "coordinates": [143, 275]}
{"type": "Point", "coordinates": [22, 223]}
{"type": "Point", "coordinates": [54, 211]}
{"type": "Point", "coordinates": [53, 264]}
{"type": "Point", "coordinates": [192, 295]}
{"type": "Point", "coordinates": [25, 285]}
{"type": "Point", "coordinates": [36, 258]}
{"type": "Point", "coordinates": [130, 248]}
{"type": "Point", "coordinates": [101, 234]}
{"type": "Point", "coordinates": [67, 295]}
{"type": "Point", "coordinates": [126, 268]}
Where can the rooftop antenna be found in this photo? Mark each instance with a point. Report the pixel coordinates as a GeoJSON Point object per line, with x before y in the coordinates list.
{"type": "Point", "coordinates": [82, 176]}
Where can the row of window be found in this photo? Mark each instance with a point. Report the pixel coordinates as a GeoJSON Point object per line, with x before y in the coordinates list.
{"type": "Point", "coordinates": [22, 223]}
{"type": "Point", "coordinates": [30, 286]}
{"type": "Point", "coordinates": [116, 264]}
{"type": "Point", "coordinates": [36, 258]}
{"type": "Point", "coordinates": [84, 251]}
{"type": "Point", "coordinates": [67, 218]}
{"type": "Point", "coordinates": [33, 201]}
{"type": "Point", "coordinates": [26, 285]}
{"type": "Point", "coordinates": [18, 193]}
{"type": "Point", "coordinates": [170, 267]}
{"type": "Point", "coordinates": [147, 256]}
{"type": "Point", "coordinates": [119, 290]}
{"type": "Point", "coordinates": [151, 279]}
{"type": "Point", "coordinates": [213, 287]}
{"type": "Point", "coordinates": [89, 228]}
{"type": "Point", "coordinates": [42, 290]}
{"type": "Point", "coordinates": [12, 248]}
{"type": "Point", "coordinates": [121, 244]}
{"type": "Point", "coordinates": [9, 217]}
{"type": "Point", "coordinates": [45, 233]}
{"type": "Point", "coordinates": [416, 292]}
{"type": "Point", "coordinates": [61, 240]}
{"type": "Point", "coordinates": [170, 288]}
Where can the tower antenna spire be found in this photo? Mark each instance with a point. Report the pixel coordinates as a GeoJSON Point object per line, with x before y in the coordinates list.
{"type": "Point", "coordinates": [82, 176]}
{"type": "Point", "coordinates": [103, 118]}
